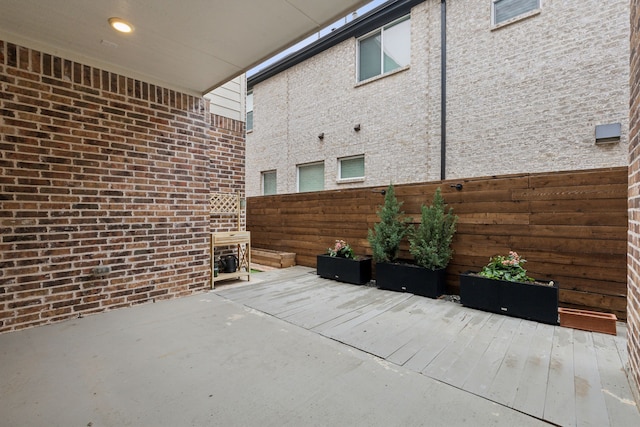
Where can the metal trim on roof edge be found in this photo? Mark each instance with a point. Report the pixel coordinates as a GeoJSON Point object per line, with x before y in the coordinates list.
{"type": "Point", "coordinates": [376, 18]}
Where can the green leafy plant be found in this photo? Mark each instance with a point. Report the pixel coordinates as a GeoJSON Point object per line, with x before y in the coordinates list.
{"type": "Point", "coordinates": [507, 268]}
{"type": "Point", "coordinates": [387, 234]}
{"type": "Point", "coordinates": [430, 242]}
{"type": "Point", "coordinates": [341, 249]}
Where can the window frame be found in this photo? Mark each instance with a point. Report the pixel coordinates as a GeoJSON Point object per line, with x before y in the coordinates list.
{"type": "Point", "coordinates": [342, 180]}
{"type": "Point", "coordinates": [381, 30]}
{"type": "Point", "coordinates": [248, 111]}
{"type": "Point", "coordinates": [262, 185]}
{"type": "Point", "coordinates": [513, 19]}
{"type": "Point", "coordinates": [303, 165]}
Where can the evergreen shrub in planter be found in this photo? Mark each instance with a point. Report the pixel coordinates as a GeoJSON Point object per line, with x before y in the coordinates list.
{"type": "Point", "coordinates": [385, 239]}
{"type": "Point", "coordinates": [429, 244]}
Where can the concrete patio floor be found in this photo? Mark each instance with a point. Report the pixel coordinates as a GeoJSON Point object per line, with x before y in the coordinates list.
{"type": "Point", "coordinates": [291, 349]}
{"type": "Point", "coordinates": [563, 376]}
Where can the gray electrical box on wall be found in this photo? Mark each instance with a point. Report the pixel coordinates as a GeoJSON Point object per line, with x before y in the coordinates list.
{"type": "Point", "coordinates": [606, 134]}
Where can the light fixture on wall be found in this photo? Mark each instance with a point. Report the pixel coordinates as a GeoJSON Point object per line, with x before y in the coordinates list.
{"type": "Point", "coordinates": [357, 127]}
{"type": "Point", "coordinates": [120, 25]}
{"type": "Point", "coordinates": [608, 134]}
{"type": "Point", "coordinates": [321, 136]}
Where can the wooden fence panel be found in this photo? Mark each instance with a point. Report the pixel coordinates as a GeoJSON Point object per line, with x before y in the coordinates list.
{"type": "Point", "coordinates": [570, 226]}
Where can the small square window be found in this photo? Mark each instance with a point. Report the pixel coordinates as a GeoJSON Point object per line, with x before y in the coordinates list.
{"type": "Point", "coordinates": [506, 10]}
{"type": "Point", "coordinates": [311, 177]}
{"type": "Point", "coordinates": [351, 167]}
{"type": "Point", "coordinates": [269, 183]}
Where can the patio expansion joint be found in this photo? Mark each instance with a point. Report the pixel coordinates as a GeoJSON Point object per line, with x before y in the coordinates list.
{"type": "Point", "coordinates": [377, 357]}
{"type": "Point", "coordinates": [343, 318]}
{"type": "Point", "coordinates": [493, 401]}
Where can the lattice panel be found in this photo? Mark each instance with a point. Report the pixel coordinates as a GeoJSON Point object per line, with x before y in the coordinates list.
{"type": "Point", "coordinates": [225, 203]}
{"type": "Point", "coordinates": [244, 257]}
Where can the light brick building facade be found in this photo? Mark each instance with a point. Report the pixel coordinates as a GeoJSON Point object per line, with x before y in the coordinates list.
{"type": "Point", "coordinates": [522, 97]}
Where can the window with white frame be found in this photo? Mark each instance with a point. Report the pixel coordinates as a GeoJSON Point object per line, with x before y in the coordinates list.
{"type": "Point", "coordinates": [385, 50]}
{"type": "Point", "coordinates": [249, 108]}
{"type": "Point", "coordinates": [269, 183]}
{"type": "Point", "coordinates": [505, 10]}
{"type": "Point", "coordinates": [311, 177]}
{"type": "Point", "coordinates": [351, 168]}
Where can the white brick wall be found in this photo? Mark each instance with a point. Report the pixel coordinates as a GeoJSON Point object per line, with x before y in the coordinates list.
{"type": "Point", "coordinates": [527, 97]}
{"type": "Point", "coordinates": [522, 98]}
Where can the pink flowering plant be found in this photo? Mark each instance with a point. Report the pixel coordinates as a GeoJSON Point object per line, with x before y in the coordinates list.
{"type": "Point", "coordinates": [507, 268]}
{"type": "Point", "coordinates": [341, 249]}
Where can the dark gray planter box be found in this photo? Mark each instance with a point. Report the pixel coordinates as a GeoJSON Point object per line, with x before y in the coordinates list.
{"type": "Point", "coordinates": [410, 278]}
{"type": "Point", "coordinates": [524, 300]}
{"type": "Point", "coordinates": [355, 271]}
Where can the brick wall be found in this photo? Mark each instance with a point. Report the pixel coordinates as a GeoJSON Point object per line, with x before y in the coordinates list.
{"type": "Point", "coordinates": [101, 170]}
{"type": "Point", "coordinates": [529, 93]}
{"type": "Point", "coordinates": [633, 258]}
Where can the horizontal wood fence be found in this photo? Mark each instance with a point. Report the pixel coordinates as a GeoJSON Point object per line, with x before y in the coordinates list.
{"type": "Point", "coordinates": [570, 226]}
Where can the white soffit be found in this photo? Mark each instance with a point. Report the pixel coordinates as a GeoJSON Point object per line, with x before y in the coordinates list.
{"type": "Point", "coordinates": [189, 45]}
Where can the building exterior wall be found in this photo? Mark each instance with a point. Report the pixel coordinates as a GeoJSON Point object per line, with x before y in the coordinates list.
{"type": "Point", "coordinates": [99, 170]}
{"type": "Point", "coordinates": [633, 256]}
{"type": "Point", "coordinates": [529, 94]}
{"type": "Point", "coordinates": [321, 95]}
{"type": "Point", "coordinates": [228, 99]}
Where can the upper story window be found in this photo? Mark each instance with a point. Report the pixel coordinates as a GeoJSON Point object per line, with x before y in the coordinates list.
{"type": "Point", "coordinates": [506, 10]}
{"type": "Point", "coordinates": [269, 183]}
{"type": "Point", "coordinates": [249, 125]}
{"type": "Point", "coordinates": [311, 177]}
{"type": "Point", "coordinates": [385, 50]}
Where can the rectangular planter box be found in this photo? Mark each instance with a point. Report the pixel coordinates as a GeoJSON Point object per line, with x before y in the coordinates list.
{"type": "Point", "coordinates": [524, 300]}
{"type": "Point", "coordinates": [271, 258]}
{"type": "Point", "coordinates": [588, 320]}
{"type": "Point", "coordinates": [410, 278]}
{"type": "Point", "coordinates": [355, 271]}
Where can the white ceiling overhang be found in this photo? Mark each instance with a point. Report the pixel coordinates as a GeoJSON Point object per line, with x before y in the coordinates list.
{"type": "Point", "coordinates": [188, 45]}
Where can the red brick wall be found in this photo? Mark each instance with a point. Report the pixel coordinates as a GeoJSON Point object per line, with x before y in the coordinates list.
{"type": "Point", "coordinates": [633, 259]}
{"type": "Point", "coordinates": [101, 170]}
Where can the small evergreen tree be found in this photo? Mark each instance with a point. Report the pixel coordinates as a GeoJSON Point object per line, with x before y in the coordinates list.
{"type": "Point", "coordinates": [430, 243]}
{"type": "Point", "coordinates": [387, 234]}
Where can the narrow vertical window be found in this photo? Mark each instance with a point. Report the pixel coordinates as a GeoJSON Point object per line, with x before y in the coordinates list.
{"type": "Point", "coordinates": [249, 125]}
{"type": "Point", "coordinates": [269, 183]}
{"type": "Point", "coordinates": [370, 57]}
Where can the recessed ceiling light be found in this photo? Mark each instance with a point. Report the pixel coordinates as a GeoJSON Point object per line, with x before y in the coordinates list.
{"type": "Point", "coordinates": [120, 25]}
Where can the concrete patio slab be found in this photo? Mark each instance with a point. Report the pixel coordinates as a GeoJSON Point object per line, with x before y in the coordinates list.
{"type": "Point", "coordinates": [563, 376]}
{"type": "Point", "coordinates": [207, 361]}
